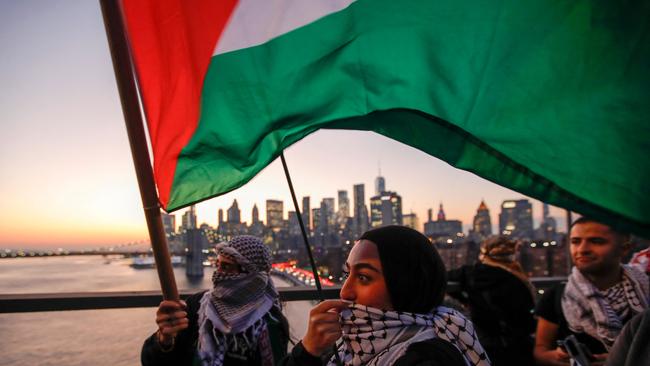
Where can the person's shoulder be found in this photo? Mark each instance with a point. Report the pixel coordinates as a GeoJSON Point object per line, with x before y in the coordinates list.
{"type": "Point", "coordinates": [432, 352]}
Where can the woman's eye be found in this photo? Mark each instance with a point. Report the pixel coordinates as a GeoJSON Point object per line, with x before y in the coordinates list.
{"type": "Point", "coordinates": [363, 278]}
{"type": "Point", "coordinates": [346, 274]}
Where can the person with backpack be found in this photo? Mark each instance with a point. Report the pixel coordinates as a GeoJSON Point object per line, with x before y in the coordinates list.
{"type": "Point", "coordinates": [500, 299]}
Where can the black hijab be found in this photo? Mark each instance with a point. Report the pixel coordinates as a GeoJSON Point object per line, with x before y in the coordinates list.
{"type": "Point", "coordinates": [413, 270]}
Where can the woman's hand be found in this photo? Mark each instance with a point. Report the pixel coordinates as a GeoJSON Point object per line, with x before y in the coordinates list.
{"type": "Point", "coordinates": [324, 327]}
{"type": "Point", "coordinates": [171, 319]}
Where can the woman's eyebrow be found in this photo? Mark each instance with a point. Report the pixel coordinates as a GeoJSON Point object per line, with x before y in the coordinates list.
{"type": "Point", "coordinates": [359, 266]}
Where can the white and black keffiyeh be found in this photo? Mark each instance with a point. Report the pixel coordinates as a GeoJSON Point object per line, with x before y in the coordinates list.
{"type": "Point", "coordinates": [231, 314]}
{"type": "Point", "coordinates": [602, 314]}
{"type": "Point", "coordinates": [376, 337]}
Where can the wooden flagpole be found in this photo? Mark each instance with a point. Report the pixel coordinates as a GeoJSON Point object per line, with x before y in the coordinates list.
{"type": "Point", "coordinates": [139, 151]}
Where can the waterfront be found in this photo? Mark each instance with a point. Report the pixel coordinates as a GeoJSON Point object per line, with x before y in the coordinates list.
{"type": "Point", "coordinates": [92, 337]}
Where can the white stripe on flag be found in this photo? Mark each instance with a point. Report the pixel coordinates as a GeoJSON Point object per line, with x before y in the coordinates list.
{"type": "Point", "coordinates": [255, 22]}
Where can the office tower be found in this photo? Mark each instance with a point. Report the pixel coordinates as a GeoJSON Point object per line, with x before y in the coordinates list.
{"type": "Point", "coordinates": [344, 210]}
{"type": "Point", "coordinates": [234, 214]}
{"type": "Point", "coordinates": [255, 215]}
{"type": "Point", "coordinates": [380, 185]}
{"type": "Point", "coordinates": [294, 225]}
{"type": "Point", "coordinates": [189, 219]}
{"type": "Point", "coordinates": [196, 242]}
{"type": "Point", "coordinates": [257, 227]}
{"type": "Point", "coordinates": [360, 221]}
{"type": "Point", "coordinates": [516, 219]}
{"type": "Point", "coordinates": [443, 230]}
{"type": "Point", "coordinates": [327, 216]}
{"type": "Point", "coordinates": [482, 226]}
{"type": "Point", "coordinates": [386, 209]}
{"type": "Point", "coordinates": [220, 215]}
{"type": "Point", "coordinates": [548, 228]}
{"type": "Point", "coordinates": [315, 215]}
{"type": "Point", "coordinates": [306, 213]}
{"type": "Point", "coordinates": [169, 223]}
{"type": "Point", "coordinates": [274, 214]}
{"type": "Point", "coordinates": [411, 220]}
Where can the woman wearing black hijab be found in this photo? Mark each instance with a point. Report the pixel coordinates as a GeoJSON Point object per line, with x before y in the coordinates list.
{"type": "Point", "coordinates": [389, 312]}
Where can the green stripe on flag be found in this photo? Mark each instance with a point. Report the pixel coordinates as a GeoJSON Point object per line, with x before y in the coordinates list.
{"type": "Point", "coordinates": [547, 98]}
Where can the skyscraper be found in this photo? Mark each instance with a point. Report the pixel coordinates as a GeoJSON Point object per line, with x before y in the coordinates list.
{"type": "Point", "coordinates": [315, 214]}
{"type": "Point", "coordinates": [380, 185]}
{"type": "Point", "coordinates": [255, 215]}
{"type": "Point", "coordinates": [360, 221]}
{"type": "Point", "coordinates": [274, 214]}
{"type": "Point", "coordinates": [482, 226]}
{"type": "Point", "coordinates": [344, 209]}
{"type": "Point", "coordinates": [189, 219]}
{"type": "Point", "coordinates": [169, 223]}
{"type": "Point", "coordinates": [306, 213]}
{"type": "Point", "coordinates": [220, 217]}
{"type": "Point", "coordinates": [386, 209]}
{"type": "Point", "coordinates": [411, 220]}
{"type": "Point", "coordinates": [443, 229]}
{"type": "Point", "coordinates": [327, 216]}
{"type": "Point", "coordinates": [234, 214]}
{"type": "Point", "coordinates": [516, 219]}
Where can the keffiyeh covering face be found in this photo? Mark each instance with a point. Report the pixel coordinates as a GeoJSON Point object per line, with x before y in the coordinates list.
{"type": "Point", "coordinates": [231, 314]}
{"type": "Point", "coordinates": [602, 314]}
{"type": "Point", "coordinates": [377, 337]}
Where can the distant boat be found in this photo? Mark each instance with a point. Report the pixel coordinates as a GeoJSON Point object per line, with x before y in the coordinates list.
{"type": "Point", "coordinates": [150, 262]}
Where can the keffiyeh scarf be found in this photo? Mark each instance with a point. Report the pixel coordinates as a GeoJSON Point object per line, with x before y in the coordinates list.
{"type": "Point", "coordinates": [231, 314]}
{"type": "Point", "coordinates": [377, 337]}
{"type": "Point", "coordinates": [597, 313]}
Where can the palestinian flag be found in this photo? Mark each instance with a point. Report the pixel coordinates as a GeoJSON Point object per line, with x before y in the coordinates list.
{"type": "Point", "coordinates": [548, 98]}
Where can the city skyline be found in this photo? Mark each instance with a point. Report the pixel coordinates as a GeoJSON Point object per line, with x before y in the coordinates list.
{"type": "Point", "coordinates": [68, 179]}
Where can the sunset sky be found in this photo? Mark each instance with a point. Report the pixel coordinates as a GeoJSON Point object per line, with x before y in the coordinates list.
{"type": "Point", "coordinates": [67, 178]}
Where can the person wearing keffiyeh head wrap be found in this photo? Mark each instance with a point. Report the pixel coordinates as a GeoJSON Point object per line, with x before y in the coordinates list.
{"type": "Point", "coordinates": [390, 310]}
{"type": "Point", "coordinates": [601, 295]}
{"type": "Point", "coordinates": [238, 322]}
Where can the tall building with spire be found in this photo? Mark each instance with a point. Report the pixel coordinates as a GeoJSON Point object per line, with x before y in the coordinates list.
{"type": "Point", "coordinates": [482, 225]}
{"type": "Point", "coordinates": [257, 227]}
{"type": "Point", "coordinates": [441, 213]}
{"type": "Point", "coordinates": [255, 215]}
{"type": "Point", "coordinates": [380, 185]}
{"type": "Point", "coordinates": [443, 229]}
{"type": "Point", "coordinates": [234, 214]}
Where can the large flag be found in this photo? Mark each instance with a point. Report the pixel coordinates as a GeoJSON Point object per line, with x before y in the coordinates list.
{"type": "Point", "coordinates": [548, 98]}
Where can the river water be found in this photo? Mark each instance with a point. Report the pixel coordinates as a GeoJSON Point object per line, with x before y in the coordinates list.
{"type": "Point", "coordinates": [91, 337]}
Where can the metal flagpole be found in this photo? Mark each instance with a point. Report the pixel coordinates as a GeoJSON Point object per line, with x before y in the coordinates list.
{"type": "Point", "coordinates": [137, 140]}
{"type": "Point", "coordinates": [304, 237]}
{"type": "Point", "coordinates": [302, 228]}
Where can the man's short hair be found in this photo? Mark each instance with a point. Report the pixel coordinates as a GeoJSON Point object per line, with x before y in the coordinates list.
{"type": "Point", "coordinates": [624, 235]}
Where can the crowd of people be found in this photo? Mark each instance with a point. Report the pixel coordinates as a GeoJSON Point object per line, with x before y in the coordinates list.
{"type": "Point", "coordinates": [392, 309]}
